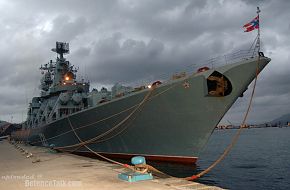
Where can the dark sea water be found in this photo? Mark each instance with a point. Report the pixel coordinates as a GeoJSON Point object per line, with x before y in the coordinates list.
{"type": "Point", "coordinates": [259, 160]}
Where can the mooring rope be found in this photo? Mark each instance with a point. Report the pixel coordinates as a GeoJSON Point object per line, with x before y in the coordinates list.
{"type": "Point", "coordinates": [83, 143]}
{"type": "Point", "coordinates": [110, 130]}
{"type": "Point", "coordinates": [106, 118]}
{"type": "Point", "coordinates": [148, 167]}
{"type": "Point", "coordinates": [236, 137]}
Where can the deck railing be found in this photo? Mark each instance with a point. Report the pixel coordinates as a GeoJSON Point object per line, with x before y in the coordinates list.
{"type": "Point", "coordinates": [229, 58]}
{"type": "Point", "coordinates": [192, 68]}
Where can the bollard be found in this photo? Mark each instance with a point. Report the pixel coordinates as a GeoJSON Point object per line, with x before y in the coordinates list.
{"type": "Point", "coordinates": [141, 171]}
{"type": "Point", "coordinates": [29, 155]}
{"type": "Point", "coordinates": [36, 160]}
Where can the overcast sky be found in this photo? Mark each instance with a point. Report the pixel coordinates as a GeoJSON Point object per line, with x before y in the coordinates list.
{"type": "Point", "coordinates": [134, 42]}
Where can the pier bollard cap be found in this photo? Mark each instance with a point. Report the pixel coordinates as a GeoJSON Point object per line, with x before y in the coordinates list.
{"type": "Point", "coordinates": [138, 160]}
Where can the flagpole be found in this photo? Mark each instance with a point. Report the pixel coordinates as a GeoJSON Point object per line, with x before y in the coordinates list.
{"type": "Point", "coordinates": [258, 40]}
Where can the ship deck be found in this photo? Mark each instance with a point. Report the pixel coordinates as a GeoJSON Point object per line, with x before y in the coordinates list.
{"type": "Point", "coordinates": [51, 170]}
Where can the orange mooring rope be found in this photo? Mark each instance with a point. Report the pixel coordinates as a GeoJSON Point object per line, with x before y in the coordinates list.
{"type": "Point", "coordinates": [110, 130]}
{"type": "Point", "coordinates": [104, 119]}
{"type": "Point", "coordinates": [236, 137]}
{"type": "Point", "coordinates": [84, 143]}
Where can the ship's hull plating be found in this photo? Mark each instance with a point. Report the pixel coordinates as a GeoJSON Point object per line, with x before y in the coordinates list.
{"type": "Point", "coordinates": [174, 122]}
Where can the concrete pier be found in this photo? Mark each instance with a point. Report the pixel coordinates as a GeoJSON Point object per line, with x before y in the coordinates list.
{"type": "Point", "coordinates": [45, 169]}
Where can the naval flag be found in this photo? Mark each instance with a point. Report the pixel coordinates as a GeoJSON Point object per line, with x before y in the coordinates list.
{"type": "Point", "coordinates": [254, 24]}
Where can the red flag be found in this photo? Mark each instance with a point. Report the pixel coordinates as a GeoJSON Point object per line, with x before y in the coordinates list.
{"type": "Point", "coordinates": [254, 24]}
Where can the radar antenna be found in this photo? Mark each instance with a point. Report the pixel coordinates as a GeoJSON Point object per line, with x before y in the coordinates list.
{"type": "Point", "coordinates": [61, 48]}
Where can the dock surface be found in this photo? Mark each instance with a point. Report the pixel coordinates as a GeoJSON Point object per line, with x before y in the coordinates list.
{"type": "Point", "coordinates": [50, 170]}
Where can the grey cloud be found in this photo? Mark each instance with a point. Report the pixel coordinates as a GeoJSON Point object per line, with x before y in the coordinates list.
{"type": "Point", "coordinates": [67, 29]}
{"type": "Point", "coordinates": [138, 42]}
{"type": "Point", "coordinates": [125, 61]}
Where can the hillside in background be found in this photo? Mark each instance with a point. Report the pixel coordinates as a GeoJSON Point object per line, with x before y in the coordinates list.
{"type": "Point", "coordinates": [282, 120]}
{"type": "Point", "coordinates": [3, 123]}
{"type": "Point", "coordinates": [7, 128]}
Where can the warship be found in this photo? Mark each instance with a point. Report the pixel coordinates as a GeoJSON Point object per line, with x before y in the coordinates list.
{"type": "Point", "coordinates": [167, 120]}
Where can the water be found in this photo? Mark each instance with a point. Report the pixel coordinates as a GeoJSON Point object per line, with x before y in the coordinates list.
{"type": "Point", "coordinates": [259, 160]}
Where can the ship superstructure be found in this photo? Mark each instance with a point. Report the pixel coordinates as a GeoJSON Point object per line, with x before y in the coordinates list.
{"type": "Point", "coordinates": [61, 93]}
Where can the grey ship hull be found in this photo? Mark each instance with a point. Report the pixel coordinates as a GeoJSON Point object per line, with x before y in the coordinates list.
{"type": "Point", "coordinates": [175, 122]}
